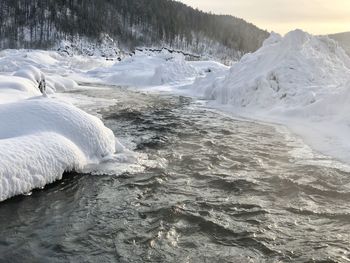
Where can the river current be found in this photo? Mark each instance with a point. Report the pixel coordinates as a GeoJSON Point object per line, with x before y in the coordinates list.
{"type": "Point", "coordinates": [211, 188]}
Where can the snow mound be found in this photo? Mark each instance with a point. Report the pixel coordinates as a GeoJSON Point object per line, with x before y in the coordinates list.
{"type": "Point", "coordinates": [8, 83]}
{"type": "Point", "coordinates": [32, 73]}
{"type": "Point", "coordinates": [60, 84]}
{"type": "Point", "coordinates": [299, 80]}
{"type": "Point", "coordinates": [295, 70]}
{"type": "Point", "coordinates": [172, 71]}
{"type": "Point", "coordinates": [43, 138]}
{"type": "Point", "coordinates": [13, 88]}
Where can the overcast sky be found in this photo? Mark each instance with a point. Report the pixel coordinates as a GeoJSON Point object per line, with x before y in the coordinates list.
{"type": "Point", "coordinates": [314, 16]}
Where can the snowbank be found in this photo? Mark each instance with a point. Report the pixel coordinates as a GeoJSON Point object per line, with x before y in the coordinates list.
{"type": "Point", "coordinates": [40, 138]}
{"type": "Point", "coordinates": [299, 80]}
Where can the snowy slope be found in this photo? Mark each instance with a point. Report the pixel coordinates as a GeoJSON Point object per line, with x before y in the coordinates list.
{"type": "Point", "coordinates": [299, 80]}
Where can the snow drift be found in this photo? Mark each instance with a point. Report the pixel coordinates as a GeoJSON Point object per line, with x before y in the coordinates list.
{"type": "Point", "coordinates": [40, 138]}
{"type": "Point", "coordinates": [299, 80]}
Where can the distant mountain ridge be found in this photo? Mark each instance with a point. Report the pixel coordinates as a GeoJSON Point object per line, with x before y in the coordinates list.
{"type": "Point", "coordinates": [343, 39]}
{"type": "Point", "coordinates": [43, 23]}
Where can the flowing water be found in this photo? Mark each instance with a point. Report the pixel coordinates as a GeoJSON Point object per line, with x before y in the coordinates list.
{"type": "Point", "coordinates": [213, 189]}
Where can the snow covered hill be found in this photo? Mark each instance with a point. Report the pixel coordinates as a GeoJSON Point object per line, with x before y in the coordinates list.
{"type": "Point", "coordinates": [299, 80]}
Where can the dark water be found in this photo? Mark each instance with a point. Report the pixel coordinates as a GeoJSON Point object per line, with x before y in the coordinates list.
{"type": "Point", "coordinates": [226, 191]}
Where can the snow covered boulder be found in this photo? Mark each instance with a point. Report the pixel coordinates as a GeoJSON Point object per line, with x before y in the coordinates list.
{"type": "Point", "coordinates": [41, 138]}
{"type": "Point", "coordinates": [30, 72]}
{"type": "Point", "coordinates": [33, 74]}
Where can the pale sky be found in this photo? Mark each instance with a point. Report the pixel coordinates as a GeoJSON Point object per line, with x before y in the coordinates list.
{"type": "Point", "coordinates": [313, 16]}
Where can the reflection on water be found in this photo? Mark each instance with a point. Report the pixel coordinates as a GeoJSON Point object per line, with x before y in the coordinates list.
{"type": "Point", "coordinates": [222, 190]}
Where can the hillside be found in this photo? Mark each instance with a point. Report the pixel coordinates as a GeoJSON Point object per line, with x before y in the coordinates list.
{"type": "Point", "coordinates": [343, 39]}
{"type": "Point", "coordinates": [130, 23]}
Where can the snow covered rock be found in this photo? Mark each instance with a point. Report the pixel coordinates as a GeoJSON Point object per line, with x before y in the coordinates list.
{"type": "Point", "coordinates": [34, 75]}
{"type": "Point", "coordinates": [30, 72]}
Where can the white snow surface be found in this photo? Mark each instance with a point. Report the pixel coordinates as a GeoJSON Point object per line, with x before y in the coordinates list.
{"type": "Point", "coordinates": [299, 80]}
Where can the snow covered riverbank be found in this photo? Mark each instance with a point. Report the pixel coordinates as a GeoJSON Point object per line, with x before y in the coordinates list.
{"type": "Point", "coordinates": [41, 138]}
{"type": "Point", "coordinates": [299, 80]}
